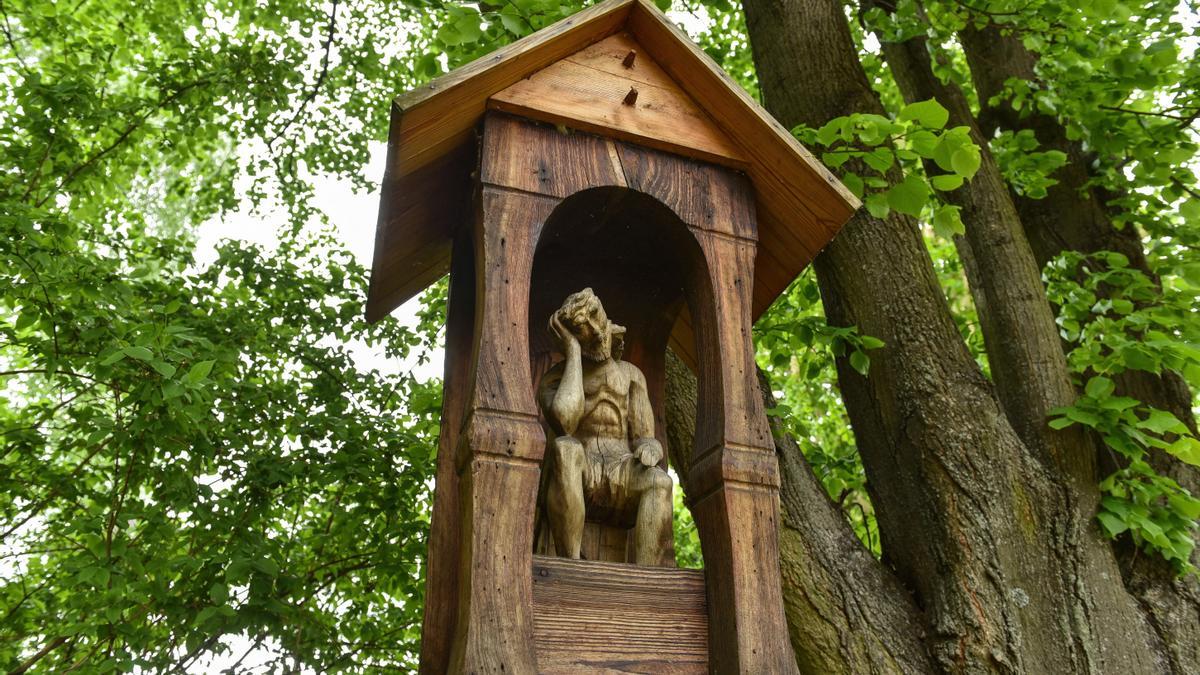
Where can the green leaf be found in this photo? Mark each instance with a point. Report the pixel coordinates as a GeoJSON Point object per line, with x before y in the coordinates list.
{"type": "Point", "coordinates": [165, 369]}
{"type": "Point", "coordinates": [947, 221]}
{"type": "Point", "coordinates": [1099, 387]}
{"type": "Point", "coordinates": [947, 182]}
{"type": "Point", "coordinates": [853, 183]}
{"type": "Point", "coordinates": [139, 353]}
{"type": "Point", "coordinates": [929, 113]}
{"type": "Point", "coordinates": [1187, 449]}
{"type": "Point", "coordinates": [1161, 421]}
{"type": "Point", "coordinates": [965, 161]}
{"type": "Point", "coordinates": [1112, 524]}
{"type": "Point", "coordinates": [924, 143]}
{"type": "Point", "coordinates": [860, 362]}
{"type": "Point", "coordinates": [114, 357]}
{"type": "Point", "coordinates": [877, 205]}
{"type": "Point", "coordinates": [1060, 423]}
{"type": "Point", "coordinates": [200, 370]}
{"type": "Point", "coordinates": [909, 196]}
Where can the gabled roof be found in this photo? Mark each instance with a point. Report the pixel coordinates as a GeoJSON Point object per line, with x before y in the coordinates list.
{"type": "Point", "coordinates": [431, 148]}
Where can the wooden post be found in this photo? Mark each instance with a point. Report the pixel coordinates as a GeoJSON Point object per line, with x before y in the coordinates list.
{"type": "Point", "coordinates": [501, 447]}
{"type": "Point", "coordinates": [734, 480]}
{"type": "Point", "coordinates": [441, 574]}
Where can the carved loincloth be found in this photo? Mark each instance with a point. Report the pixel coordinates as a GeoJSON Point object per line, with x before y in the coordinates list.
{"type": "Point", "coordinates": [609, 475]}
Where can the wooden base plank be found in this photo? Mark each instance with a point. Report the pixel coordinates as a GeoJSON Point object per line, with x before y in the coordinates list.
{"type": "Point", "coordinates": [596, 617]}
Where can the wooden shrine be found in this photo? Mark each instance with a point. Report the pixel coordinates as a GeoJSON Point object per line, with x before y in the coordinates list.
{"type": "Point", "coordinates": [607, 153]}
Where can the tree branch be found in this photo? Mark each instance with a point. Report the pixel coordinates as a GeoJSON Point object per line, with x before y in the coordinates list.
{"type": "Point", "coordinates": [312, 94]}
{"type": "Point", "coordinates": [50, 646]}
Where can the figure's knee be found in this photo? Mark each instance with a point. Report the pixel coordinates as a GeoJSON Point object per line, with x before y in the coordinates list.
{"type": "Point", "coordinates": [567, 451]}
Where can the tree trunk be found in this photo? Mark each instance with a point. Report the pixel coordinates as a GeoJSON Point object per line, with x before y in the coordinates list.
{"type": "Point", "coordinates": [987, 536]}
{"type": "Point", "coordinates": [1073, 217]}
{"type": "Point", "coordinates": [1023, 345]}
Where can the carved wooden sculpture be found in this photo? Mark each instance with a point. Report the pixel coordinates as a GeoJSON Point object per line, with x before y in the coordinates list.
{"type": "Point", "coordinates": [603, 456]}
{"type": "Point", "coordinates": [530, 174]}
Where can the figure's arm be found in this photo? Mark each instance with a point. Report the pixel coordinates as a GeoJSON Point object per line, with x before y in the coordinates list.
{"type": "Point", "coordinates": [564, 406]}
{"type": "Point", "coordinates": [641, 420]}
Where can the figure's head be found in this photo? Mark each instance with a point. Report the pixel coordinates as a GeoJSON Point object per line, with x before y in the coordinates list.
{"type": "Point", "coordinates": [583, 315]}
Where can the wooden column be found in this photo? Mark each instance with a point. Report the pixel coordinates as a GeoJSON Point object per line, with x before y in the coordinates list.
{"type": "Point", "coordinates": [734, 478]}
{"type": "Point", "coordinates": [442, 563]}
{"type": "Point", "coordinates": [501, 446]}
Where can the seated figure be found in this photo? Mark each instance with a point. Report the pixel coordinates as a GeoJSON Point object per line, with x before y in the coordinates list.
{"type": "Point", "coordinates": [602, 456]}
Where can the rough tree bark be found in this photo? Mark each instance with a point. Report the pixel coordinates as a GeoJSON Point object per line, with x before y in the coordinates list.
{"type": "Point", "coordinates": [986, 535]}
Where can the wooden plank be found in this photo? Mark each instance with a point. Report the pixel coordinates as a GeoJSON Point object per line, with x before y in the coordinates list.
{"type": "Point", "coordinates": [533, 157]}
{"type": "Point", "coordinates": [577, 93]}
{"type": "Point", "coordinates": [445, 535]}
{"type": "Point", "coordinates": [433, 115]}
{"type": "Point", "coordinates": [703, 196]}
{"type": "Point", "coordinates": [417, 219]}
{"type": "Point", "coordinates": [592, 617]}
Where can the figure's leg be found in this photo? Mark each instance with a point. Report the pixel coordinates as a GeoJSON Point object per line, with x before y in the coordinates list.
{"type": "Point", "coordinates": [652, 532]}
{"type": "Point", "coordinates": [564, 496]}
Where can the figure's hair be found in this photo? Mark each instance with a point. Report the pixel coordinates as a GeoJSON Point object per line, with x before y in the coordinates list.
{"type": "Point", "coordinates": [577, 310]}
{"type": "Point", "coordinates": [577, 307]}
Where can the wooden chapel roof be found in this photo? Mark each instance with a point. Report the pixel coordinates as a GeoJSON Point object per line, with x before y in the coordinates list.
{"type": "Point", "coordinates": [566, 74]}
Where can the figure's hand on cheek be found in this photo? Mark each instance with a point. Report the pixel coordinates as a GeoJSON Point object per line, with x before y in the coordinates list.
{"type": "Point", "coordinates": [566, 339]}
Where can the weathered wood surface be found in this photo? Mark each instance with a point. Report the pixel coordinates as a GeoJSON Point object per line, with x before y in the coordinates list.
{"type": "Point", "coordinates": [500, 447]}
{"type": "Point", "coordinates": [557, 212]}
{"type": "Point", "coordinates": [604, 543]}
{"type": "Point", "coordinates": [442, 561]}
{"type": "Point", "coordinates": [588, 90]}
{"type": "Point", "coordinates": [800, 204]}
{"type": "Point", "coordinates": [438, 196]}
{"type": "Point", "coordinates": [437, 116]}
{"type": "Point", "coordinates": [592, 617]}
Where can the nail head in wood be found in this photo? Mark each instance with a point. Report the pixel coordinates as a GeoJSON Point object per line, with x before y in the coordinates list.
{"type": "Point", "coordinates": [631, 97]}
{"type": "Point", "coordinates": [629, 59]}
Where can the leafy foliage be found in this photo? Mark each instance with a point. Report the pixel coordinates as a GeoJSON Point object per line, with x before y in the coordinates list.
{"type": "Point", "coordinates": [1119, 319]}
{"type": "Point", "coordinates": [191, 453]}
{"type": "Point", "coordinates": [879, 143]}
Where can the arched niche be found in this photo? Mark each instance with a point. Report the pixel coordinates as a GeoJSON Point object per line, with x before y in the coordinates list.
{"type": "Point", "coordinates": [648, 270]}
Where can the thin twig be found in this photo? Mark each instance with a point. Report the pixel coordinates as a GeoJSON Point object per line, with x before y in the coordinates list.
{"type": "Point", "coordinates": [312, 94]}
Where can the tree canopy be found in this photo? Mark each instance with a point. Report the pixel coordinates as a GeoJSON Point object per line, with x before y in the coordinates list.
{"type": "Point", "coordinates": [192, 458]}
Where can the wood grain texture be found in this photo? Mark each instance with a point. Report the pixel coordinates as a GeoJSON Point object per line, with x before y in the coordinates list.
{"type": "Point", "coordinates": [800, 205]}
{"type": "Point", "coordinates": [592, 617]}
{"type": "Point", "coordinates": [652, 233]}
{"type": "Point", "coordinates": [588, 91]}
{"type": "Point", "coordinates": [500, 446]}
{"type": "Point", "coordinates": [417, 220]}
{"type": "Point", "coordinates": [432, 118]}
{"type": "Point", "coordinates": [442, 559]}
{"type": "Point", "coordinates": [780, 154]}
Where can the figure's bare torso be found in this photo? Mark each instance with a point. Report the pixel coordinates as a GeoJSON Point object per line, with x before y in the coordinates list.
{"type": "Point", "coordinates": [606, 401]}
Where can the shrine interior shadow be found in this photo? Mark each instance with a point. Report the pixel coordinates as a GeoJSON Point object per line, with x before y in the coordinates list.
{"type": "Point", "coordinates": [649, 272]}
